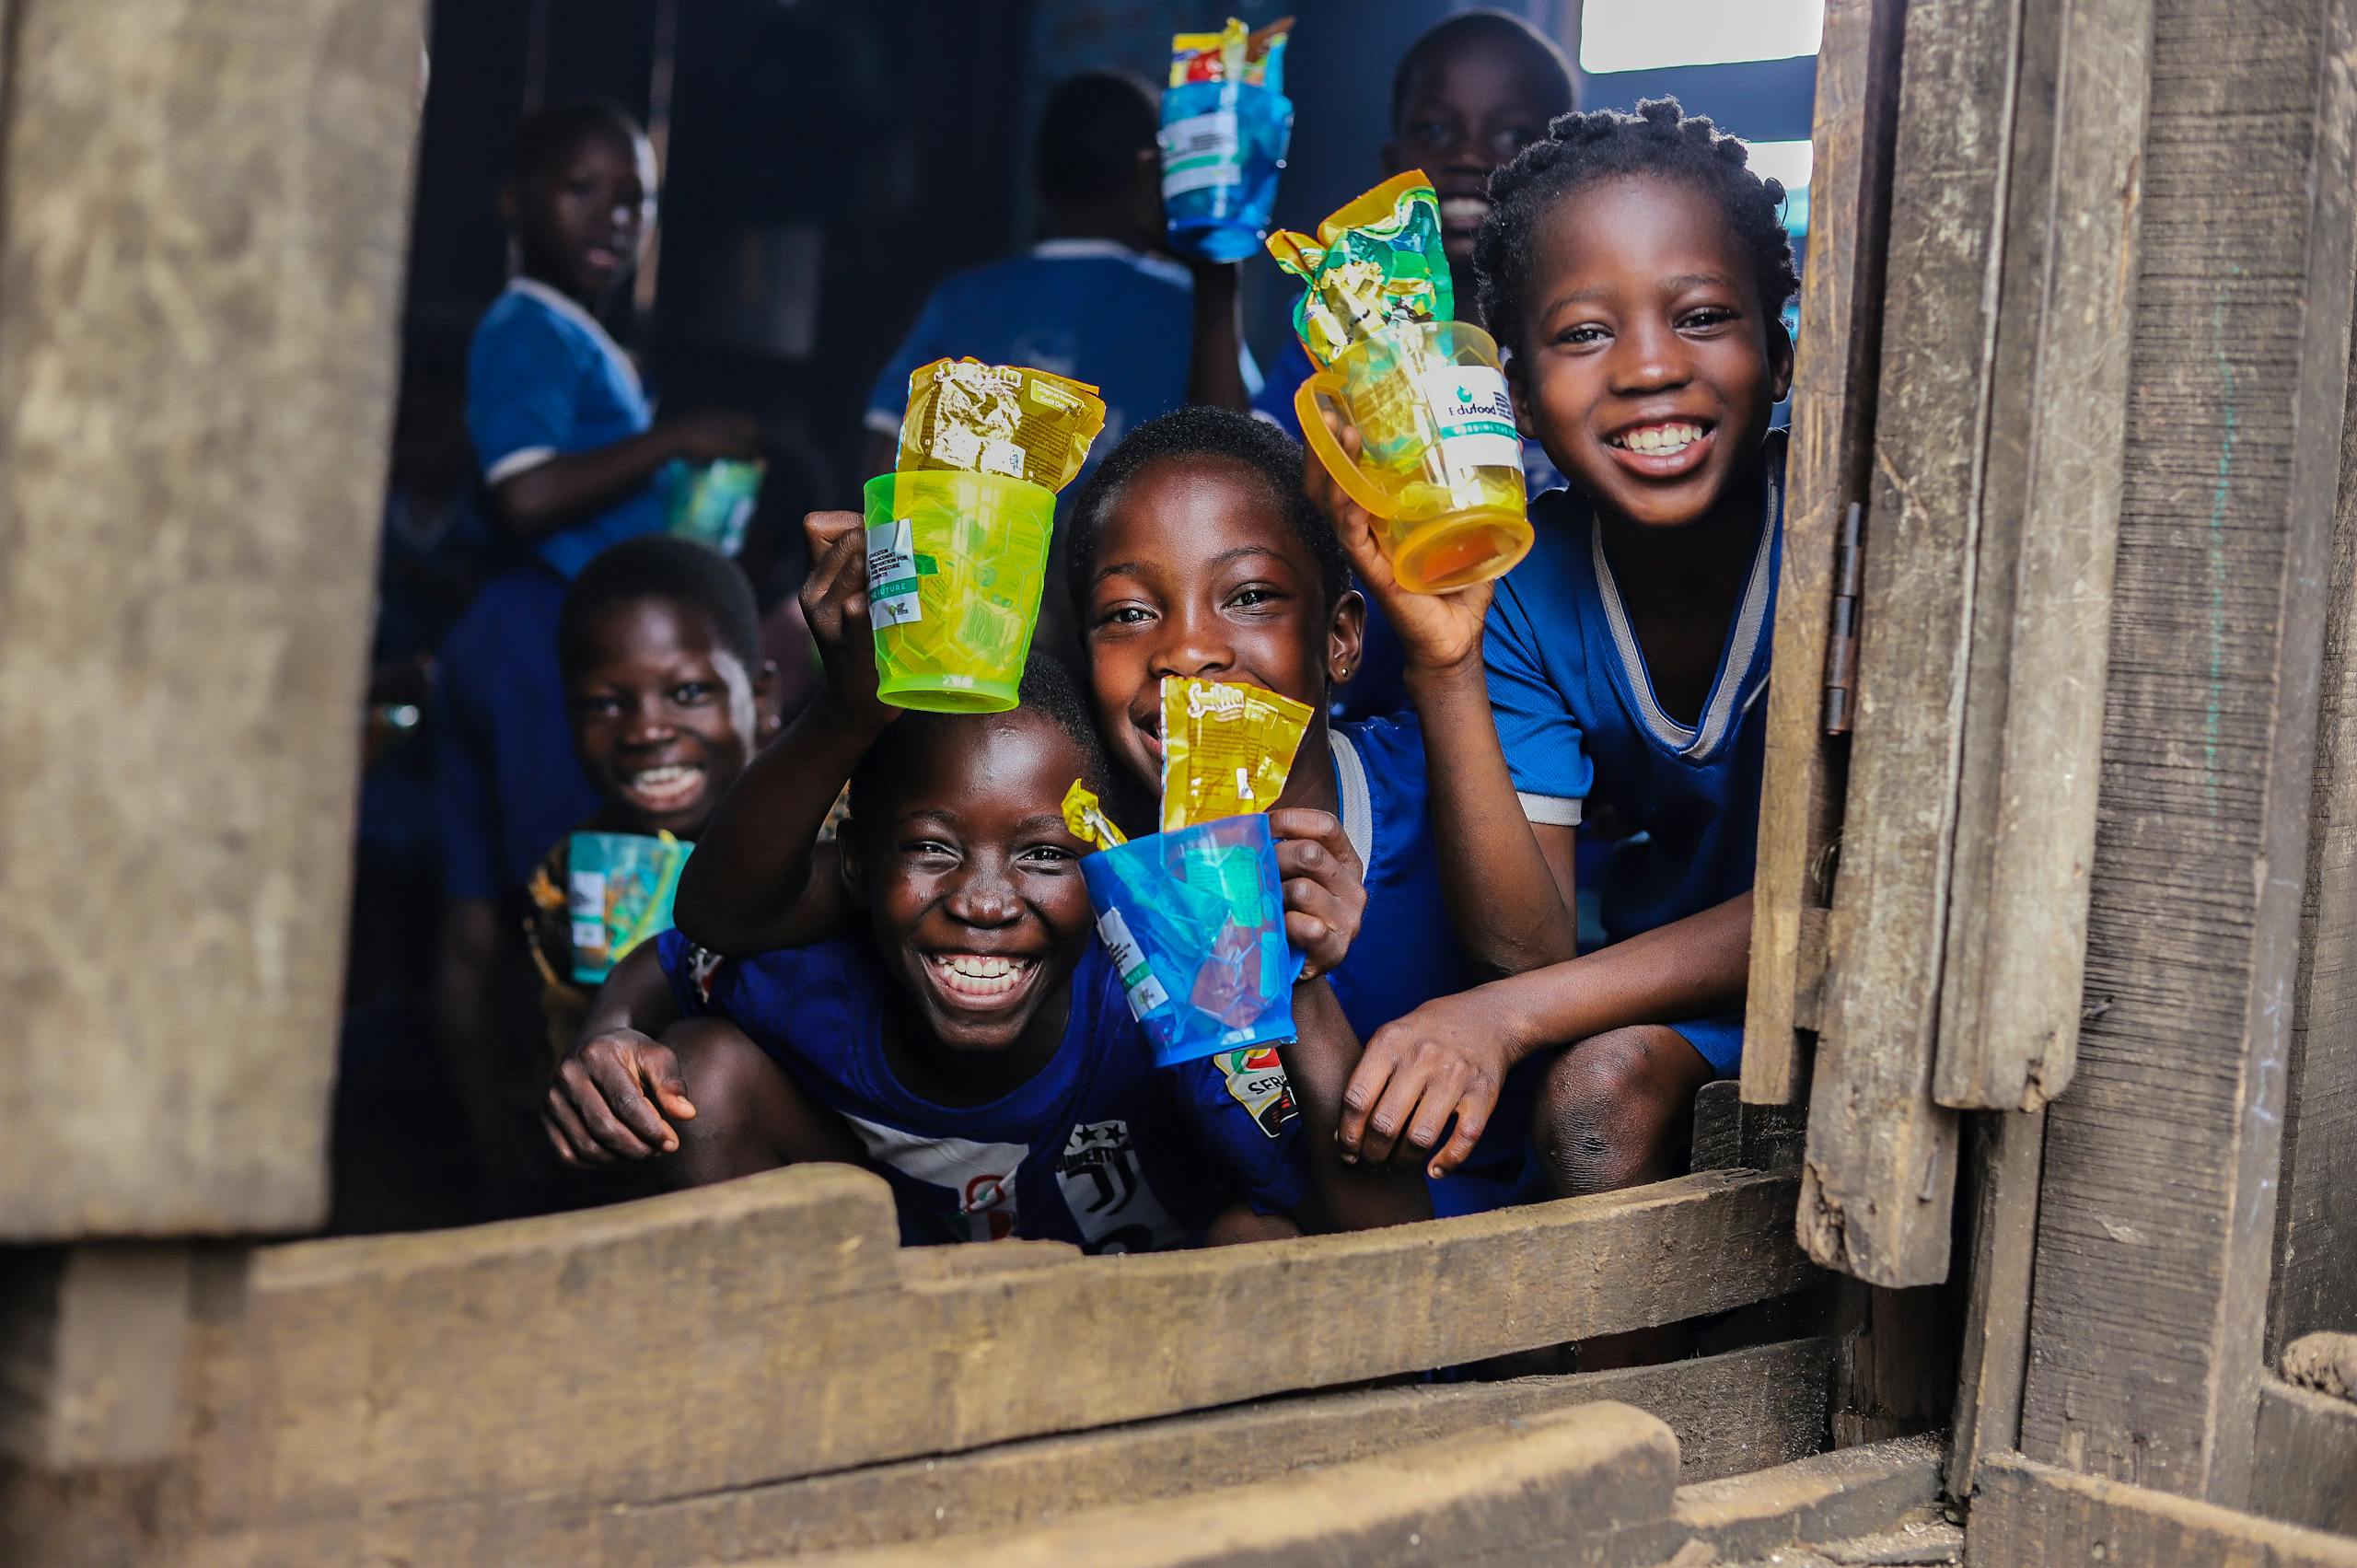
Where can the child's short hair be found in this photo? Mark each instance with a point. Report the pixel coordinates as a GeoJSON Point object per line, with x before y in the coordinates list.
{"type": "Point", "coordinates": [549, 135]}
{"type": "Point", "coordinates": [1047, 688]}
{"type": "Point", "coordinates": [1548, 64]}
{"type": "Point", "coordinates": [695, 577]}
{"type": "Point", "coordinates": [1200, 430]}
{"type": "Point", "coordinates": [1658, 140]}
{"type": "Point", "coordinates": [1091, 131]}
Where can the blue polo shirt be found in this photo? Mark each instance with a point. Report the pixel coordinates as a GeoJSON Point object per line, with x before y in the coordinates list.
{"type": "Point", "coordinates": [1091, 309]}
{"type": "Point", "coordinates": [506, 783]}
{"type": "Point", "coordinates": [1576, 713]}
{"type": "Point", "coordinates": [545, 379]}
{"type": "Point", "coordinates": [1100, 1148]}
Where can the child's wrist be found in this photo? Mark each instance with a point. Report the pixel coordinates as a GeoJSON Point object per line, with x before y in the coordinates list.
{"type": "Point", "coordinates": [1465, 670]}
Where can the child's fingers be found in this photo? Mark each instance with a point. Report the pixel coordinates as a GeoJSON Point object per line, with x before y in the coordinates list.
{"type": "Point", "coordinates": [1391, 1114]}
{"type": "Point", "coordinates": [824, 530]}
{"type": "Point", "coordinates": [659, 1070]}
{"type": "Point", "coordinates": [561, 1115]}
{"type": "Point", "coordinates": [1361, 1094]}
{"type": "Point", "coordinates": [1472, 1120]}
{"type": "Point", "coordinates": [1305, 837]}
{"type": "Point", "coordinates": [1316, 920]}
{"type": "Point", "coordinates": [556, 1141]}
{"type": "Point", "coordinates": [1442, 1090]}
{"type": "Point", "coordinates": [605, 1097]}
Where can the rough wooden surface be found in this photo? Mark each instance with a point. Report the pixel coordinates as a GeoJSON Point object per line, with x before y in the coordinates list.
{"type": "Point", "coordinates": [203, 206]}
{"type": "Point", "coordinates": [2315, 1259]}
{"type": "Point", "coordinates": [93, 1337]}
{"type": "Point", "coordinates": [1850, 1491]}
{"type": "Point", "coordinates": [1592, 1486]}
{"type": "Point", "coordinates": [2040, 595]}
{"type": "Point", "coordinates": [1832, 403]}
{"type": "Point", "coordinates": [1880, 1163]}
{"type": "Point", "coordinates": [2304, 1460]}
{"type": "Point", "coordinates": [2326, 1363]}
{"type": "Point", "coordinates": [1893, 1362]}
{"type": "Point", "coordinates": [2004, 1150]}
{"type": "Point", "coordinates": [2034, 1516]}
{"type": "Point", "coordinates": [770, 1329]}
{"type": "Point", "coordinates": [2156, 1207]}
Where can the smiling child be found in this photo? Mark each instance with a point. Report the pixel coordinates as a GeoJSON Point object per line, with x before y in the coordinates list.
{"type": "Point", "coordinates": [1635, 268]}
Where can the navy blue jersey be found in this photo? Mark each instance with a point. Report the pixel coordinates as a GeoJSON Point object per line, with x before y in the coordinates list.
{"type": "Point", "coordinates": [1100, 1148]}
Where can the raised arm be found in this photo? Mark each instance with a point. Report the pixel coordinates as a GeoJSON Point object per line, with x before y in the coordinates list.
{"type": "Point", "coordinates": [1215, 364]}
{"type": "Point", "coordinates": [759, 877]}
{"type": "Point", "coordinates": [561, 490]}
{"type": "Point", "coordinates": [1318, 1063]}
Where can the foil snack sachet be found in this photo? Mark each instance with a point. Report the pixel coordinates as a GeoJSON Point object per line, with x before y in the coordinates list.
{"type": "Point", "coordinates": [1002, 419]}
{"type": "Point", "coordinates": [1234, 53]}
{"type": "Point", "coordinates": [1227, 749]}
{"type": "Point", "coordinates": [1085, 815]}
{"type": "Point", "coordinates": [1376, 262]}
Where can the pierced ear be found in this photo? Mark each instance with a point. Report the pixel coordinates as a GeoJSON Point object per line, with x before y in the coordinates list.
{"type": "Point", "coordinates": [1518, 389]}
{"type": "Point", "coordinates": [848, 866]}
{"type": "Point", "coordinates": [1346, 638]}
{"type": "Point", "coordinates": [1780, 360]}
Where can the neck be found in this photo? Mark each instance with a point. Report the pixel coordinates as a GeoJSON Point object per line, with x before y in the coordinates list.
{"type": "Point", "coordinates": [1090, 223]}
{"type": "Point", "coordinates": [1700, 563]}
{"type": "Point", "coordinates": [547, 277]}
{"type": "Point", "coordinates": [934, 1071]}
{"type": "Point", "coordinates": [1312, 785]}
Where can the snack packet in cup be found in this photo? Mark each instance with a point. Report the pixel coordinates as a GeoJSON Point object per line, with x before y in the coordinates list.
{"type": "Point", "coordinates": [713, 503]}
{"type": "Point", "coordinates": [1225, 126]}
{"type": "Point", "coordinates": [1085, 815]}
{"type": "Point", "coordinates": [1001, 419]}
{"type": "Point", "coordinates": [619, 895]}
{"type": "Point", "coordinates": [1227, 749]}
{"type": "Point", "coordinates": [1194, 920]}
{"type": "Point", "coordinates": [1440, 459]}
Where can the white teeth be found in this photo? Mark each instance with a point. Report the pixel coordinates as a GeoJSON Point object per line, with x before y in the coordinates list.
{"type": "Point", "coordinates": [1464, 209]}
{"type": "Point", "coordinates": [977, 975]}
{"type": "Point", "coordinates": [1660, 439]}
{"type": "Point", "coordinates": [663, 783]}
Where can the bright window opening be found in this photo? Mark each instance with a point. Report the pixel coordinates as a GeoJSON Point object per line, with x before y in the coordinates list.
{"type": "Point", "coordinates": [1644, 35]}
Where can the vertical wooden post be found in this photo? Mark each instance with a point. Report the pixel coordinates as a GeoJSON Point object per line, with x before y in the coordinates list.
{"type": "Point", "coordinates": [1833, 403]}
{"type": "Point", "coordinates": [2157, 1203]}
{"type": "Point", "coordinates": [202, 212]}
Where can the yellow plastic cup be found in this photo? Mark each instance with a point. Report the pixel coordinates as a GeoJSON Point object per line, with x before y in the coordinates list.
{"type": "Point", "coordinates": [955, 565]}
{"type": "Point", "coordinates": [1440, 463]}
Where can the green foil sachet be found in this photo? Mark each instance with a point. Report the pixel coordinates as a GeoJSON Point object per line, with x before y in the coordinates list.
{"type": "Point", "coordinates": [1375, 263]}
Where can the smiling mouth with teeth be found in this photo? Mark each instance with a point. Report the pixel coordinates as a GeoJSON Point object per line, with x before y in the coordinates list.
{"type": "Point", "coordinates": [664, 789]}
{"type": "Point", "coordinates": [1463, 211]}
{"type": "Point", "coordinates": [979, 977]}
{"type": "Point", "coordinates": [1658, 440]}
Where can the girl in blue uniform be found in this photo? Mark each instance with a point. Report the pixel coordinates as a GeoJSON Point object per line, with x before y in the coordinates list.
{"type": "Point", "coordinates": [1635, 268]}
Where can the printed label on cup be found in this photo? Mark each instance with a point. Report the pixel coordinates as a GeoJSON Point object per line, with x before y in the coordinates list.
{"type": "Point", "coordinates": [1475, 413]}
{"type": "Point", "coordinates": [1199, 152]}
{"type": "Point", "coordinates": [893, 575]}
{"type": "Point", "coordinates": [1144, 992]}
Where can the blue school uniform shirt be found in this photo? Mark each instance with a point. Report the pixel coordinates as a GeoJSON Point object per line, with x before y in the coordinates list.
{"type": "Point", "coordinates": [1100, 1148]}
{"type": "Point", "coordinates": [506, 783]}
{"type": "Point", "coordinates": [544, 379]}
{"type": "Point", "coordinates": [1091, 309]}
{"type": "Point", "coordinates": [1576, 713]}
{"type": "Point", "coordinates": [1379, 685]}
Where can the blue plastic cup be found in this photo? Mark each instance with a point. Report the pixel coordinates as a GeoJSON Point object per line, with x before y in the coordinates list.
{"type": "Point", "coordinates": [1223, 143]}
{"type": "Point", "coordinates": [1195, 921]}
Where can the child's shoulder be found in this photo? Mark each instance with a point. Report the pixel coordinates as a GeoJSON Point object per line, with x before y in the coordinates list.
{"type": "Point", "coordinates": [531, 317]}
{"type": "Point", "coordinates": [824, 986]}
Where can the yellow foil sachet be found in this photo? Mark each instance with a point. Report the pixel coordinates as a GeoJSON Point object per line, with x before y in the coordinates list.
{"type": "Point", "coordinates": [1234, 53]}
{"type": "Point", "coordinates": [1004, 419]}
{"type": "Point", "coordinates": [1086, 816]}
{"type": "Point", "coordinates": [1376, 262]}
{"type": "Point", "coordinates": [1227, 749]}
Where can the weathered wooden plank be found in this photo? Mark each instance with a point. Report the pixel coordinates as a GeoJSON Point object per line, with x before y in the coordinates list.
{"type": "Point", "coordinates": [203, 219]}
{"type": "Point", "coordinates": [1832, 403]}
{"type": "Point", "coordinates": [1881, 1159]}
{"type": "Point", "coordinates": [1592, 1486]}
{"type": "Point", "coordinates": [2003, 1158]}
{"type": "Point", "coordinates": [2040, 619]}
{"type": "Point", "coordinates": [1850, 1492]}
{"type": "Point", "coordinates": [814, 1345]}
{"type": "Point", "coordinates": [92, 1340]}
{"type": "Point", "coordinates": [2156, 1208]}
{"type": "Point", "coordinates": [2316, 1248]}
{"type": "Point", "coordinates": [2305, 1458]}
{"type": "Point", "coordinates": [2034, 1516]}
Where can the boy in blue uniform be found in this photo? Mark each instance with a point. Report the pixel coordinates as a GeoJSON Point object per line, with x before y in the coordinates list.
{"type": "Point", "coordinates": [1635, 269]}
{"type": "Point", "coordinates": [974, 1044]}
{"type": "Point", "coordinates": [1195, 551]}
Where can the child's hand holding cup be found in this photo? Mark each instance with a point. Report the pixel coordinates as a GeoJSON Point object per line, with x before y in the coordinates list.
{"type": "Point", "coordinates": [834, 602]}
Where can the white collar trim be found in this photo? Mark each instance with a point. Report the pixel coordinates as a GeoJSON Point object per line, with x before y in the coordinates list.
{"type": "Point", "coordinates": [570, 309]}
{"type": "Point", "coordinates": [1358, 805]}
{"type": "Point", "coordinates": [1727, 700]}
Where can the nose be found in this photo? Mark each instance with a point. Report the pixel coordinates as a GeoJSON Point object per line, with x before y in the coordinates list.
{"type": "Point", "coordinates": [647, 725]}
{"type": "Point", "coordinates": [984, 896]}
{"type": "Point", "coordinates": [1193, 644]}
{"type": "Point", "coordinates": [1650, 357]}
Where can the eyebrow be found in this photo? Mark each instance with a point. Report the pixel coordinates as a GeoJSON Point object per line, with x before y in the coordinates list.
{"type": "Point", "coordinates": [1677, 285]}
{"type": "Point", "coordinates": [1135, 568]}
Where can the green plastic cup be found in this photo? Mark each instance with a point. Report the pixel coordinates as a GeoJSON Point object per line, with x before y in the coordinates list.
{"type": "Point", "coordinates": [955, 565]}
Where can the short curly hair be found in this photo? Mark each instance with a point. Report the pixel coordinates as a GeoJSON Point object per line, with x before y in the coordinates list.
{"type": "Point", "coordinates": [1660, 140]}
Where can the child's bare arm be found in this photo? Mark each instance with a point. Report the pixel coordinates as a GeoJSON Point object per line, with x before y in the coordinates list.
{"type": "Point", "coordinates": [1508, 882]}
{"type": "Point", "coordinates": [564, 488]}
{"type": "Point", "coordinates": [759, 877]}
{"type": "Point", "coordinates": [1318, 1063]}
{"type": "Point", "coordinates": [1215, 366]}
{"type": "Point", "coordinates": [612, 1091]}
{"type": "Point", "coordinates": [1450, 1056]}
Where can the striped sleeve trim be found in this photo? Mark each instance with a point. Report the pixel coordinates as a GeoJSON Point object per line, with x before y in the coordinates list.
{"type": "Point", "coordinates": [1550, 811]}
{"type": "Point", "coordinates": [517, 461]}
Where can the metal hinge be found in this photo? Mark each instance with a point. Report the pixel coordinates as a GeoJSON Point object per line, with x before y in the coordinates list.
{"type": "Point", "coordinates": [1841, 647]}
